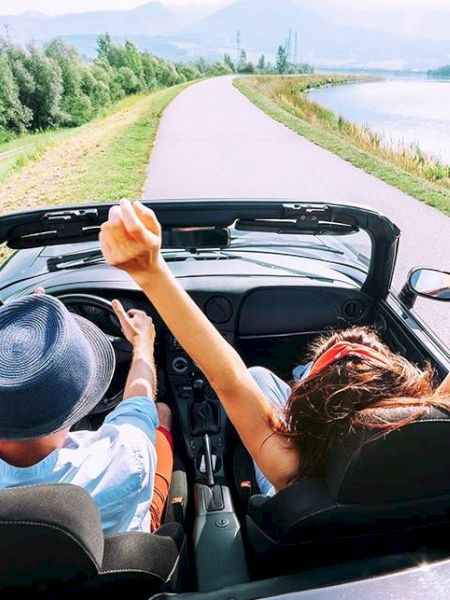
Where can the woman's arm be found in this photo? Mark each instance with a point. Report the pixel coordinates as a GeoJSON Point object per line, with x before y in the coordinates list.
{"type": "Point", "coordinates": [131, 240]}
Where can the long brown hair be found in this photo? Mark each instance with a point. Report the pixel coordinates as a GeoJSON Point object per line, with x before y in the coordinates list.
{"type": "Point", "coordinates": [351, 393]}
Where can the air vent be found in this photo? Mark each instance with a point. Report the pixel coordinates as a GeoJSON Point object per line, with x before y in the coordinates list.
{"type": "Point", "coordinates": [219, 309]}
{"type": "Point", "coordinates": [353, 310]}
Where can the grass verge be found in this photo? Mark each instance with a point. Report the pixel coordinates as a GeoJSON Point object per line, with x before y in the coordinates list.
{"type": "Point", "coordinates": [102, 160]}
{"type": "Point", "coordinates": [119, 169]}
{"type": "Point", "coordinates": [409, 170]}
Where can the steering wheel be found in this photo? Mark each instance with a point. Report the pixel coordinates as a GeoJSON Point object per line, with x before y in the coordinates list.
{"type": "Point", "coordinates": [122, 348]}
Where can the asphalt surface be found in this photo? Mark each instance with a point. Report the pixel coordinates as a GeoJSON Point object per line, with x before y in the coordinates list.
{"type": "Point", "coordinates": [213, 143]}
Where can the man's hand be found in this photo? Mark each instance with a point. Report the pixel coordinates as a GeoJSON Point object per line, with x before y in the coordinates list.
{"type": "Point", "coordinates": [131, 239]}
{"type": "Point", "coordinates": [136, 326]}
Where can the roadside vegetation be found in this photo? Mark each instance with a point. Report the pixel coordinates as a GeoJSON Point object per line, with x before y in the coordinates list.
{"type": "Point", "coordinates": [46, 94]}
{"type": "Point", "coordinates": [408, 168]}
{"type": "Point", "coordinates": [105, 159]}
{"type": "Point", "coordinates": [442, 72]}
{"type": "Point", "coordinates": [285, 64]}
{"type": "Point", "coordinates": [46, 88]}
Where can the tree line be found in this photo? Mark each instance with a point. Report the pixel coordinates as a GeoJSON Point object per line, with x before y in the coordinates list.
{"type": "Point", "coordinates": [42, 88]}
{"type": "Point", "coordinates": [443, 72]}
{"type": "Point", "coordinates": [282, 66]}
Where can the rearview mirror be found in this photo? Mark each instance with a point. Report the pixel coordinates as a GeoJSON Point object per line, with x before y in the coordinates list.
{"type": "Point", "coordinates": [430, 283]}
{"type": "Point", "coordinates": [195, 238]}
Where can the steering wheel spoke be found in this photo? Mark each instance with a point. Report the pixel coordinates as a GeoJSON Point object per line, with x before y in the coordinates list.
{"type": "Point", "coordinates": [122, 348]}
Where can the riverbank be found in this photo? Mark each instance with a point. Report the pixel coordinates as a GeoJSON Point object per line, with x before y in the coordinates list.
{"type": "Point", "coordinates": [284, 99]}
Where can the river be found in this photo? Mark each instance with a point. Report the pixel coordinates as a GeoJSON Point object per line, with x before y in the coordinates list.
{"type": "Point", "coordinates": [402, 111]}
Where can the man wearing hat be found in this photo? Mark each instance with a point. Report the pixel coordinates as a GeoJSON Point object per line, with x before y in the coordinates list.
{"type": "Point", "coordinates": [55, 367]}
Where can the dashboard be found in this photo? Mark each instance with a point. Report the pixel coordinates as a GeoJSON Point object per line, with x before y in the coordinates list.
{"type": "Point", "coordinates": [269, 325]}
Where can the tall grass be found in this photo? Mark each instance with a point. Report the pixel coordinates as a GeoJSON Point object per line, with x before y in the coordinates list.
{"type": "Point", "coordinates": [290, 94]}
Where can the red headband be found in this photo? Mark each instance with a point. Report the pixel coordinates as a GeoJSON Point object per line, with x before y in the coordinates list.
{"type": "Point", "coordinates": [343, 349]}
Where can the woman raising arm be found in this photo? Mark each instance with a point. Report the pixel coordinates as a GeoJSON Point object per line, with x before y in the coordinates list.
{"type": "Point", "coordinates": [131, 240]}
{"type": "Point", "coordinates": [353, 381]}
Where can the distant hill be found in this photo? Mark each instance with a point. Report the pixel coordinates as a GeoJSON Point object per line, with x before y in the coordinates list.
{"type": "Point", "coordinates": [149, 19]}
{"type": "Point", "coordinates": [265, 23]}
{"type": "Point", "coordinates": [324, 38]}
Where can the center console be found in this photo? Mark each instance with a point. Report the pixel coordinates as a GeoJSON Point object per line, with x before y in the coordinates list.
{"type": "Point", "coordinates": [220, 558]}
{"type": "Point", "coordinates": [201, 416]}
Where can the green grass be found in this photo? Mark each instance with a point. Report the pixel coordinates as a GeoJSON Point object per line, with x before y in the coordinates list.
{"type": "Point", "coordinates": [17, 153]}
{"type": "Point", "coordinates": [120, 169]}
{"type": "Point", "coordinates": [21, 150]}
{"type": "Point", "coordinates": [410, 170]}
{"type": "Point", "coordinates": [103, 160]}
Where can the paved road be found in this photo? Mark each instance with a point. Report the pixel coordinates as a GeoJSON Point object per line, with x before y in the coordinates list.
{"type": "Point", "coordinates": [213, 143]}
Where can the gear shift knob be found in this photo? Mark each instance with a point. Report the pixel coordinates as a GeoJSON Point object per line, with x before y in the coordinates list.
{"type": "Point", "coordinates": [198, 387]}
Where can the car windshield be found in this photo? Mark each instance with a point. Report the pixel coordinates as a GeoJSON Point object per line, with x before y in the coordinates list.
{"type": "Point", "coordinates": [352, 248]}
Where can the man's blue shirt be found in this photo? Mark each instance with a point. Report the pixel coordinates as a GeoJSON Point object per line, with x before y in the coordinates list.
{"type": "Point", "coordinates": [115, 464]}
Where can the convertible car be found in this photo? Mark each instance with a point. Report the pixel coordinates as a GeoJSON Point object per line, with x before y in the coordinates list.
{"type": "Point", "coordinates": [270, 275]}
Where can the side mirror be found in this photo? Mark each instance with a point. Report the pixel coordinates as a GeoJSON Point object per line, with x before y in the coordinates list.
{"type": "Point", "coordinates": [426, 283]}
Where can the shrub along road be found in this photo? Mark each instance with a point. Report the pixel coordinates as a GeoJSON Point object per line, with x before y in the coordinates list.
{"type": "Point", "coordinates": [213, 143]}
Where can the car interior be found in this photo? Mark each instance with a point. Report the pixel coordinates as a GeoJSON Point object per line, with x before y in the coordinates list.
{"type": "Point", "coordinates": [378, 509]}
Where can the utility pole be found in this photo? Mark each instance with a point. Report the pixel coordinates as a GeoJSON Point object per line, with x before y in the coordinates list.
{"type": "Point", "coordinates": [238, 46]}
{"type": "Point", "coordinates": [289, 45]}
{"type": "Point", "coordinates": [296, 47]}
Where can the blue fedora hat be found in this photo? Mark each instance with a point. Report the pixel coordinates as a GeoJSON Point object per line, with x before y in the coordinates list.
{"type": "Point", "coordinates": [54, 367]}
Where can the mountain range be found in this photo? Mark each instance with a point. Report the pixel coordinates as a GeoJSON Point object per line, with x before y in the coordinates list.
{"type": "Point", "coordinates": [395, 39]}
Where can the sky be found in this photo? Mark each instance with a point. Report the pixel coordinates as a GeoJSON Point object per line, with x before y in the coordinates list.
{"type": "Point", "coordinates": [52, 7]}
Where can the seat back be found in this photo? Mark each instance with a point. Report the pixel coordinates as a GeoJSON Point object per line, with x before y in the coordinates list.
{"type": "Point", "coordinates": [380, 495]}
{"type": "Point", "coordinates": [52, 546]}
{"type": "Point", "coordinates": [50, 536]}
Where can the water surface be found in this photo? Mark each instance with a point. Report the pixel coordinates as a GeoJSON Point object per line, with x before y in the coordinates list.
{"type": "Point", "coordinates": [402, 111]}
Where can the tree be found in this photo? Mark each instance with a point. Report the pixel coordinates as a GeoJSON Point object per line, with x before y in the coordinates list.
{"type": "Point", "coordinates": [247, 67]}
{"type": "Point", "coordinates": [132, 59]}
{"type": "Point", "coordinates": [127, 80]}
{"type": "Point", "coordinates": [75, 103]}
{"type": "Point", "coordinates": [201, 65]}
{"type": "Point", "coordinates": [242, 58]}
{"type": "Point", "coordinates": [46, 97]}
{"type": "Point", "coordinates": [104, 44]}
{"type": "Point", "coordinates": [229, 62]}
{"type": "Point", "coordinates": [13, 115]}
{"type": "Point", "coordinates": [262, 63]}
{"type": "Point", "coordinates": [218, 68]}
{"type": "Point", "coordinates": [282, 60]}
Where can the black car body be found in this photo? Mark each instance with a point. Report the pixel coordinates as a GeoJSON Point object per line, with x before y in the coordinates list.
{"type": "Point", "coordinates": [270, 275]}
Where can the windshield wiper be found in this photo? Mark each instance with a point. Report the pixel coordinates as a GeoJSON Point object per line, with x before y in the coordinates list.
{"type": "Point", "coordinates": [75, 260]}
{"type": "Point", "coordinates": [251, 247]}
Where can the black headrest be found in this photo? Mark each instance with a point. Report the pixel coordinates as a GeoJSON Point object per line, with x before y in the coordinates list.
{"type": "Point", "coordinates": [410, 463]}
{"type": "Point", "coordinates": [48, 533]}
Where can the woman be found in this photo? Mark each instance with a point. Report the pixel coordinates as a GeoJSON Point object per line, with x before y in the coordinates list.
{"type": "Point", "coordinates": [351, 377]}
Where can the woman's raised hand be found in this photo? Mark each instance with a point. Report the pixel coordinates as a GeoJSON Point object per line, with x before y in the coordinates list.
{"type": "Point", "coordinates": [131, 240]}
